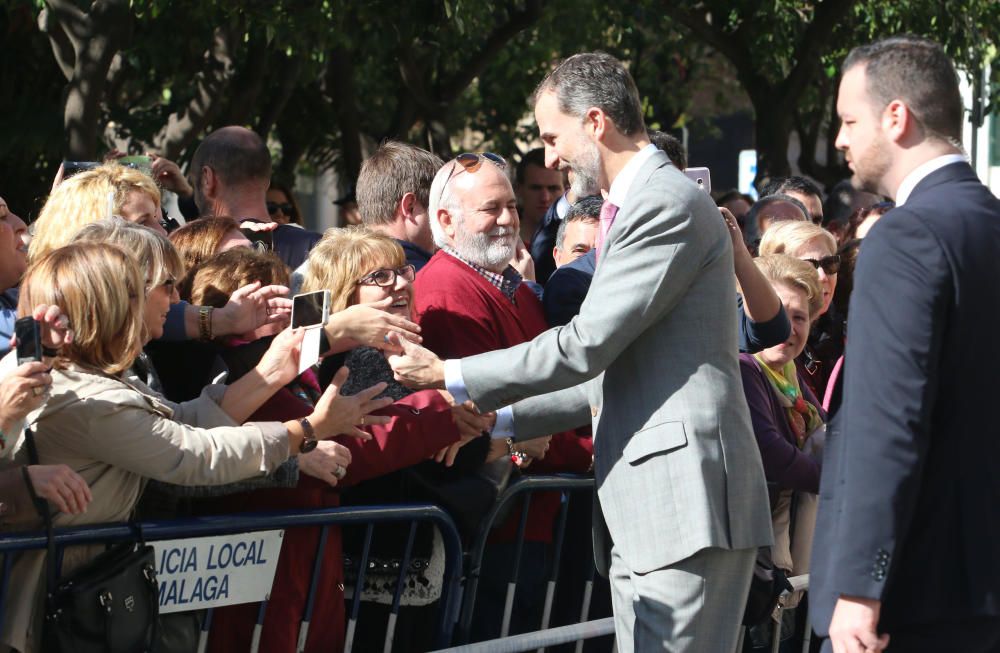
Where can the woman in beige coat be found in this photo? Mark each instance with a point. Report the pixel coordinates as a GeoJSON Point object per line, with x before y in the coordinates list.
{"type": "Point", "coordinates": [116, 433]}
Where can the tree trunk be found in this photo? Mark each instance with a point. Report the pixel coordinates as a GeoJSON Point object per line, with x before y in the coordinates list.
{"type": "Point", "coordinates": [91, 40]}
{"type": "Point", "coordinates": [771, 135]}
{"type": "Point", "coordinates": [340, 85]}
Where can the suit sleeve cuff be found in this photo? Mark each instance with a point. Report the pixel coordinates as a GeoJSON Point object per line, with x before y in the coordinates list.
{"type": "Point", "coordinates": [454, 382]}
{"type": "Point", "coordinates": [504, 427]}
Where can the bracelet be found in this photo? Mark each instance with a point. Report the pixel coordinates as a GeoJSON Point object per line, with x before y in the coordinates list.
{"type": "Point", "coordinates": [309, 441]}
{"type": "Point", "coordinates": [205, 323]}
{"type": "Point", "coordinates": [516, 457]}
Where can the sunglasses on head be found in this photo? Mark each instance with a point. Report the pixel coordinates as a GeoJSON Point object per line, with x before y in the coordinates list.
{"type": "Point", "coordinates": [471, 162]}
{"type": "Point", "coordinates": [286, 208]}
{"type": "Point", "coordinates": [830, 264]}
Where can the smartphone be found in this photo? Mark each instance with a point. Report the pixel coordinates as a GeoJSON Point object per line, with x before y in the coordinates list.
{"type": "Point", "coordinates": [310, 309]}
{"type": "Point", "coordinates": [71, 168]}
{"type": "Point", "coordinates": [29, 340]}
{"type": "Point", "coordinates": [700, 176]}
{"type": "Point", "coordinates": [262, 241]}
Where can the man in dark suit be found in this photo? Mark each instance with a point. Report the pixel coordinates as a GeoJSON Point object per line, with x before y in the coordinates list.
{"type": "Point", "coordinates": [906, 546]}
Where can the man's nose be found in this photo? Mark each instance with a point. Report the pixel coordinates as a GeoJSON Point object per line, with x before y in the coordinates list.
{"type": "Point", "coordinates": [841, 143]}
{"type": "Point", "coordinates": [551, 158]}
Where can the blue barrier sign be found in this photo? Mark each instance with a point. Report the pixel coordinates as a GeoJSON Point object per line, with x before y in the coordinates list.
{"type": "Point", "coordinates": [208, 572]}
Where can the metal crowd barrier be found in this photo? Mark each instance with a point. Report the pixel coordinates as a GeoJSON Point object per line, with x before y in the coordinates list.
{"type": "Point", "coordinates": [523, 489]}
{"type": "Point", "coordinates": [241, 523]}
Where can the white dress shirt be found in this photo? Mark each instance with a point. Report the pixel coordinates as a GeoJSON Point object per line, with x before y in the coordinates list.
{"type": "Point", "coordinates": [917, 174]}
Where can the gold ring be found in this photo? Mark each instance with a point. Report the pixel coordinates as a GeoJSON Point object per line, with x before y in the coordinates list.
{"type": "Point", "coordinates": [362, 420]}
{"type": "Point", "coordinates": [37, 390]}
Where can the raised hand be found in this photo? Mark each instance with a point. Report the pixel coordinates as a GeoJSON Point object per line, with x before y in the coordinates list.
{"type": "Point", "coordinates": [280, 363]}
{"type": "Point", "coordinates": [63, 487]}
{"type": "Point", "coordinates": [22, 391]}
{"type": "Point", "coordinates": [328, 462]}
{"type": "Point", "coordinates": [336, 414]}
{"type": "Point", "coordinates": [370, 325]}
{"type": "Point", "coordinates": [416, 367]}
{"type": "Point", "coordinates": [253, 306]}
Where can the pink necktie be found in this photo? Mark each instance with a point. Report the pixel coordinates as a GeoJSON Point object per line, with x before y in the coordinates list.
{"type": "Point", "coordinates": [608, 213]}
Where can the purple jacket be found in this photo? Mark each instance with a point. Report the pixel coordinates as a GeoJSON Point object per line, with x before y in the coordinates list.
{"type": "Point", "coordinates": [785, 465]}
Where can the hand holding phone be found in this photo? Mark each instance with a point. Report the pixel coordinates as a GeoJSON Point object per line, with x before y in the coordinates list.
{"type": "Point", "coordinates": [29, 340]}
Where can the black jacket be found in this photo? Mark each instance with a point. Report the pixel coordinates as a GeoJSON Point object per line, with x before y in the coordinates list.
{"type": "Point", "coordinates": [910, 494]}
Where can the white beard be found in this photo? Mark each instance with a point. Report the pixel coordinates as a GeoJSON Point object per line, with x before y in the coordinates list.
{"type": "Point", "coordinates": [484, 249]}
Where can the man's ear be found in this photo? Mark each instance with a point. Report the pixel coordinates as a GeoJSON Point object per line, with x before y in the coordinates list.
{"type": "Point", "coordinates": [407, 204]}
{"type": "Point", "coordinates": [596, 123]}
{"type": "Point", "coordinates": [446, 219]}
{"type": "Point", "coordinates": [209, 182]}
{"type": "Point", "coordinates": [899, 123]}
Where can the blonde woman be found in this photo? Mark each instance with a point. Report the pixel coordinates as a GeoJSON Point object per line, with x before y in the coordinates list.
{"type": "Point", "coordinates": [116, 433]}
{"type": "Point", "coordinates": [113, 189]}
{"type": "Point", "coordinates": [788, 422]}
{"type": "Point", "coordinates": [818, 247]}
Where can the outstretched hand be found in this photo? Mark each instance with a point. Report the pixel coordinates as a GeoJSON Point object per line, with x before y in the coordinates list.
{"type": "Point", "coordinates": [253, 306]}
{"type": "Point", "coordinates": [417, 368]}
{"type": "Point", "coordinates": [336, 414]}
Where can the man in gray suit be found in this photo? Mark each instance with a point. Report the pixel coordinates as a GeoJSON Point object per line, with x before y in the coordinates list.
{"type": "Point", "coordinates": [651, 361]}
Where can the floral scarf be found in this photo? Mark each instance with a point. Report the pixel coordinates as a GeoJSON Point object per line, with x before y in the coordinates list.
{"type": "Point", "coordinates": [803, 417]}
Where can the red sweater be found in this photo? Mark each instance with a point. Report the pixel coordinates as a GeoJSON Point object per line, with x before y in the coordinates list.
{"type": "Point", "coordinates": [462, 314]}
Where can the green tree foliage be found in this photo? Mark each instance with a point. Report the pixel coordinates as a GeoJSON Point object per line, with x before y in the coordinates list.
{"type": "Point", "coordinates": [326, 80]}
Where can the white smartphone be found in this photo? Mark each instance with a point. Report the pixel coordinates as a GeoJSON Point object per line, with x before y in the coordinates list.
{"type": "Point", "coordinates": [700, 176]}
{"type": "Point", "coordinates": [310, 309]}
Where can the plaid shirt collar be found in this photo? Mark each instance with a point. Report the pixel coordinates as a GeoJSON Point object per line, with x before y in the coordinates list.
{"type": "Point", "coordinates": [506, 282]}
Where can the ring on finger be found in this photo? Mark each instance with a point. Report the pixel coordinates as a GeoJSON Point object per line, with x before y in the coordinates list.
{"type": "Point", "coordinates": [385, 338]}
{"type": "Point", "coordinates": [362, 420]}
{"type": "Point", "coordinates": [340, 471]}
{"type": "Point", "coordinates": [37, 390]}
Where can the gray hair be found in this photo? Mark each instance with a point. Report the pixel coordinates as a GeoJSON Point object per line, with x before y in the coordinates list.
{"type": "Point", "coordinates": [441, 197]}
{"type": "Point", "coordinates": [155, 255]}
{"type": "Point", "coordinates": [595, 79]}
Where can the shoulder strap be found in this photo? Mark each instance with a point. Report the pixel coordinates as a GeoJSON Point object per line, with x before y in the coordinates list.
{"type": "Point", "coordinates": [43, 509]}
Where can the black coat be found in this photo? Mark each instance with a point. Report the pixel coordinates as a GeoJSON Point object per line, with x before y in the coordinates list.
{"type": "Point", "coordinates": [910, 495]}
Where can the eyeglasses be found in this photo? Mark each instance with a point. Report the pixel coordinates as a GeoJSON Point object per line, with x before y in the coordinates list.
{"type": "Point", "coordinates": [386, 277]}
{"type": "Point", "coordinates": [830, 264]}
{"type": "Point", "coordinates": [471, 162]}
{"type": "Point", "coordinates": [284, 207]}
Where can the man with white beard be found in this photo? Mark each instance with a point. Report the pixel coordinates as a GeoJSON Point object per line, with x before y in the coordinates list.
{"type": "Point", "coordinates": [470, 300]}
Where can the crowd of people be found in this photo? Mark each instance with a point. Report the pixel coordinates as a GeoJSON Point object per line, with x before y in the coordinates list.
{"type": "Point", "coordinates": [169, 382]}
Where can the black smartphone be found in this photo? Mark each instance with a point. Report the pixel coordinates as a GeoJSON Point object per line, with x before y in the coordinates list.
{"type": "Point", "coordinates": [70, 168]}
{"type": "Point", "coordinates": [29, 340]}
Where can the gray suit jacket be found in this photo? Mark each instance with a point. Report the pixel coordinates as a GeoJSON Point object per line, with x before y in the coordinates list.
{"type": "Point", "coordinates": [652, 360]}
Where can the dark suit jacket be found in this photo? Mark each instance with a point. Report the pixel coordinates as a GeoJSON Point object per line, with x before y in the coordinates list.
{"type": "Point", "coordinates": [567, 288]}
{"type": "Point", "coordinates": [542, 243]}
{"type": "Point", "coordinates": [910, 492]}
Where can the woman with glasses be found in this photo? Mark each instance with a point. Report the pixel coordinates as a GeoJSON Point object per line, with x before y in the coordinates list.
{"type": "Point", "coordinates": [818, 247]}
{"type": "Point", "coordinates": [281, 204]}
{"type": "Point", "coordinates": [788, 423]}
{"type": "Point", "coordinates": [421, 424]}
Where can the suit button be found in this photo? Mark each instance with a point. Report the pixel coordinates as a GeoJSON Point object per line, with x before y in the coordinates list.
{"type": "Point", "coordinates": [593, 411]}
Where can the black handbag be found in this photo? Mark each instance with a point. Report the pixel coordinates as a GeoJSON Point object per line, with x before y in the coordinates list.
{"type": "Point", "coordinates": [108, 605]}
{"type": "Point", "coordinates": [766, 586]}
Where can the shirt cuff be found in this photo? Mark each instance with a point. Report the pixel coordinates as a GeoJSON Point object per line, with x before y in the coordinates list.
{"type": "Point", "coordinates": [453, 381]}
{"type": "Point", "coordinates": [504, 428]}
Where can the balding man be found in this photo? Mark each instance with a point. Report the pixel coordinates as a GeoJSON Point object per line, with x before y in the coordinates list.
{"type": "Point", "coordinates": [231, 171]}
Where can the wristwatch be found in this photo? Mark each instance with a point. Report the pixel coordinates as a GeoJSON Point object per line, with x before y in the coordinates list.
{"type": "Point", "coordinates": [309, 441]}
